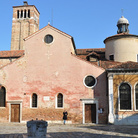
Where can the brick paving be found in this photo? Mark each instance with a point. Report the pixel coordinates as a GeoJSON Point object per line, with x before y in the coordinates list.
{"type": "Point", "coordinates": [15, 130]}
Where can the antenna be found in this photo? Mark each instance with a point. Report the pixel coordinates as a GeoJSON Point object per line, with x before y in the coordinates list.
{"type": "Point", "coordinates": [52, 17]}
{"type": "Point", "coordinates": [122, 11]}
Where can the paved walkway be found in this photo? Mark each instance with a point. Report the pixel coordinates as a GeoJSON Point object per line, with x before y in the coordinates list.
{"type": "Point", "coordinates": [12, 130]}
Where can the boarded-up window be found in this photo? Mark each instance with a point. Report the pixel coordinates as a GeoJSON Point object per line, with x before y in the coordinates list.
{"type": "Point", "coordinates": [125, 96]}
{"type": "Point", "coordinates": [60, 100]}
{"type": "Point", "coordinates": [2, 97]}
{"type": "Point", "coordinates": [34, 100]}
{"type": "Point", "coordinates": [136, 96]}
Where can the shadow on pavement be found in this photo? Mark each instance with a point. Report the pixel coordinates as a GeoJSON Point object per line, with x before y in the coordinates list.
{"type": "Point", "coordinates": [13, 135]}
{"type": "Point", "coordinates": [131, 130]}
{"type": "Point", "coordinates": [80, 135]}
{"type": "Point", "coordinates": [64, 135]}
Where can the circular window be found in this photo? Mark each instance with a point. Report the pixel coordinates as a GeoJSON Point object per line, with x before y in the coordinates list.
{"type": "Point", "coordinates": [90, 81]}
{"type": "Point", "coordinates": [48, 39]}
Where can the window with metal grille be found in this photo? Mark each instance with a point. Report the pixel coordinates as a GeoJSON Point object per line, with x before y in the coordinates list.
{"type": "Point", "coordinates": [136, 96]}
{"type": "Point", "coordinates": [48, 39]}
{"type": "Point", "coordinates": [2, 97]}
{"type": "Point", "coordinates": [90, 81]}
{"type": "Point", "coordinates": [34, 100]}
{"type": "Point", "coordinates": [60, 100]}
{"type": "Point", "coordinates": [125, 96]}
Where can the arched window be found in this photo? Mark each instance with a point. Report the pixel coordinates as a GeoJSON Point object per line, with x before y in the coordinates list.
{"type": "Point", "coordinates": [21, 13]}
{"type": "Point", "coordinates": [34, 100]}
{"type": "Point", "coordinates": [28, 13]}
{"type": "Point", "coordinates": [2, 97]}
{"type": "Point", "coordinates": [125, 96]}
{"type": "Point", "coordinates": [18, 14]}
{"type": "Point", "coordinates": [24, 13]}
{"type": "Point", "coordinates": [60, 100]}
{"type": "Point", "coordinates": [136, 96]}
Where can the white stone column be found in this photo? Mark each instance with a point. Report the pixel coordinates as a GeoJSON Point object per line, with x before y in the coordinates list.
{"type": "Point", "coordinates": [19, 14]}
{"type": "Point", "coordinates": [23, 13]}
{"type": "Point", "coordinates": [111, 99]}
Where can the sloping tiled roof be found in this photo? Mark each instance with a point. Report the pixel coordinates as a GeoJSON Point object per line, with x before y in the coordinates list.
{"type": "Point", "coordinates": [104, 63]}
{"type": "Point", "coordinates": [83, 53]}
{"type": "Point", "coordinates": [107, 64]}
{"type": "Point", "coordinates": [86, 51]}
{"type": "Point", "coordinates": [13, 53]}
{"type": "Point", "coordinates": [125, 65]}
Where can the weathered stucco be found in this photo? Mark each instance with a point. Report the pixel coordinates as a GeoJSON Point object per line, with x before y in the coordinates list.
{"type": "Point", "coordinates": [49, 69]}
{"type": "Point", "coordinates": [123, 49]}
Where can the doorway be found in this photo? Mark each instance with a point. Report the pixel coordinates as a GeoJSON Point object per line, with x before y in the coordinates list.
{"type": "Point", "coordinates": [15, 112]}
{"type": "Point", "coordinates": [90, 113]}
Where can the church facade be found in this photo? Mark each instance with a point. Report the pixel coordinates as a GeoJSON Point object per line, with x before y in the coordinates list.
{"type": "Point", "coordinates": [44, 74]}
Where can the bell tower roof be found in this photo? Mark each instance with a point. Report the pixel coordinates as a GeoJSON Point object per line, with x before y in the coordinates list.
{"type": "Point", "coordinates": [122, 25]}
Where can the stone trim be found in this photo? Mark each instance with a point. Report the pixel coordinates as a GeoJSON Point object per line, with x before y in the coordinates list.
{"type": "Point", "coordinates": [89, 101]}
{"type": "Point", "coordinates": [111, 99]}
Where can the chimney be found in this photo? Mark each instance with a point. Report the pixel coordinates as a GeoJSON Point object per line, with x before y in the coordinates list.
{"type": "Point", "coordinates": [25, 3]}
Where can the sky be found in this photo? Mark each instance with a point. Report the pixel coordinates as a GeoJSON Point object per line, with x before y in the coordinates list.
{"type": "Point", "coordinates": [89, 22]}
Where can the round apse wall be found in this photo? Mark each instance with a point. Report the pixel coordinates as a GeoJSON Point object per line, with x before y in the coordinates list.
{"type": "Point", "coordinates": [89, 81]}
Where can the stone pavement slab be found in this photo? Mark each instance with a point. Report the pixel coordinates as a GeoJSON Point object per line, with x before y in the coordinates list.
{"type": "Point", "coordinates": [16, 130]}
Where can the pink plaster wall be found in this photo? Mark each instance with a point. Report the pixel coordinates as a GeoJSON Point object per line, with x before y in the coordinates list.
{"type": "Point", "coordinates": [60, 72]}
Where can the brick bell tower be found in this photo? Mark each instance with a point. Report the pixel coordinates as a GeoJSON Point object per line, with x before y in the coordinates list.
{"type": "Point", "coordinates": [25, 21]}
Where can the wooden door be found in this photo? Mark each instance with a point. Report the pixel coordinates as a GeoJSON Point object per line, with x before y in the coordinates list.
{"type": "Point", "coordinates": [90, 113]}
{"type": "Point", "coordinates": [93, 113]}
{"type": "Point", "coordinates": [15, 112]}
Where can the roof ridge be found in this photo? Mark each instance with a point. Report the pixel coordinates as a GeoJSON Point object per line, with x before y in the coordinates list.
{"type": "Point", "coordinates": [38, 31]}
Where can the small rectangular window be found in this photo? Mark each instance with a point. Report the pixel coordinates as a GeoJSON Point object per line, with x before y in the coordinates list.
{"type": "Point", "coordinates": [111, 57]}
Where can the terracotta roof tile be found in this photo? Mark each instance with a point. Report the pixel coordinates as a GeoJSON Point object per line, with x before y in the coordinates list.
{"type": "Point", "coordinates": [125, 65]}
{"type": "Point", "coordinates": [93, 53]}
{"type": "Point", "coordinates": [13, 53]}
{"type": "Point", "coordinates": [107, 64]}
{"type": "Point", "coordinates": [87, 51]}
